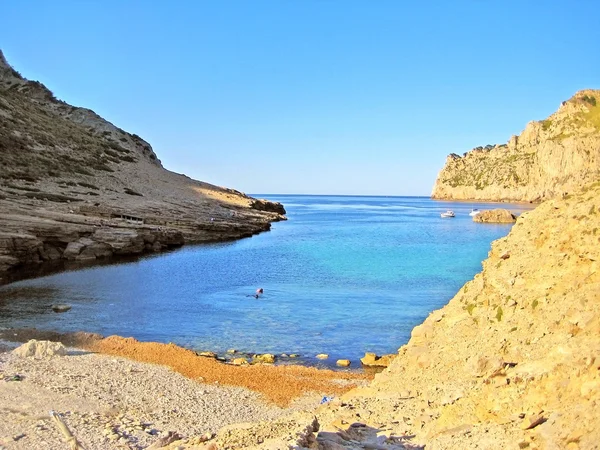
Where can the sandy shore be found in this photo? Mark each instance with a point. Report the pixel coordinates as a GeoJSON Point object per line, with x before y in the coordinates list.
{"type": "Point", "coordinates": [121, 393]}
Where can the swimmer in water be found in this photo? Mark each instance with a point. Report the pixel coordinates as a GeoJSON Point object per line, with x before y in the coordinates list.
{"type": "Point", "coordinates": [258, 293]}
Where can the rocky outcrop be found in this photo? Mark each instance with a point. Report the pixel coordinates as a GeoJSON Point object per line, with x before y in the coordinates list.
{"type": "Point", "coordinates": [74, 187]}
{"type": "Point", "coordinates": [550, 158]}
{"type": "Point", "coordinates": [266, 205]}
{"type": "Point", "coordinates": [40, 349]}
{"type": "Point", "coordinates": [512, 361]}
{"type": "Point", "coordinates": [495, 216]}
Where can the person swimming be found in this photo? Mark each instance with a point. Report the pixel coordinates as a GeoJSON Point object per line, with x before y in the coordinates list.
{"type": "Point", "coordinates": [257, 294]}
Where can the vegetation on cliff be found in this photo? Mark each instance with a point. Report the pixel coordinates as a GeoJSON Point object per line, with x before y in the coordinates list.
{"type": "Point", "coordinates": [552, 157]}
{"type": "Point", "coordinates": [74, 186]}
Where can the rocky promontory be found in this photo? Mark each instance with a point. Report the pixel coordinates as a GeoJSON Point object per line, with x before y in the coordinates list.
{"type": "Point", "coordinates": [550, 158]}
{"type": "Point", "coordinates": [75, 187]}
{"type": "Point", "coordinates": [498, 215]}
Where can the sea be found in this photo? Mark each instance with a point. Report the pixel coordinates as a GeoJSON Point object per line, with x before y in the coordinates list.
{"type": "Point", "coordinates": [343, 276]}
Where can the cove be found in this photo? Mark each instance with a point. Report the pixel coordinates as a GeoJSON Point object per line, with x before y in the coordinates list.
{"type": "Point", "coordinates": [343, 276]}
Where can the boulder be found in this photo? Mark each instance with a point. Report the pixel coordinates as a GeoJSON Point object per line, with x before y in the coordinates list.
{"type": "Point", "coordinates": [343, 362]}
{"type": "Point", "coordinates": [239, 361]}
{"type": "Point", "coordinates": [266, 358]}
{"type": "Point", "coordinates": [40, 349]}
{"type": "Point", "coordinates": [372, 360]}
{"type": "Point", "coordinates": [322, 356]}
{"type": "Point", "coordinates": [495, 216]}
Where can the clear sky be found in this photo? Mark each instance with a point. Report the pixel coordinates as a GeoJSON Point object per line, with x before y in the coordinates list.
{"type": "Point", "coordinates": [317, 97]}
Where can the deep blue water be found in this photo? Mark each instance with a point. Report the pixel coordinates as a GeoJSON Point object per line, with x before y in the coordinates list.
{"type": "Point", "coordinates": [344, 275]}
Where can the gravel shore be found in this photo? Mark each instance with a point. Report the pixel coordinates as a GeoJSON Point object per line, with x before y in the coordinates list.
{"type": "Point", "coordinates": [114, 402]}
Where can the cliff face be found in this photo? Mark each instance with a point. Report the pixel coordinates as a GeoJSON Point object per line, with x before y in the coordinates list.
{"type": "Point", "coordinates": [75, 187]}
{"type": "Point", "coordinates": [550, 158]}
{"type": "Point", "coordinates": [513, 360]}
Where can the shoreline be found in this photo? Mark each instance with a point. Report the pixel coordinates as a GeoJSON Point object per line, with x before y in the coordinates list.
{"type": "Point", "coordinates": [109, 401]}
{"type": "Point", "coordinates": [28, 271]}
{"type": "Point", "coordinates": [279, 383]}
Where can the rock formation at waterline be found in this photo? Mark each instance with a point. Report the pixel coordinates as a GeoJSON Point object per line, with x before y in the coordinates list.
{"type": "Point", "coordinates": [513, 360]}
{"type": "Point", "coordinates": [495, 216]}
{"type": "Point", "coordinates": [550, 158]}
{"type": "Point", "coordinates": [75, 187]}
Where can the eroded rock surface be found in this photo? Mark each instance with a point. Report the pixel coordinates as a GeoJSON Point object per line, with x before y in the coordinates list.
{"type": "Point", "coordinates": [551, 158]}
{"type": "Point", "coordinates": [513, 360]}
{"type": "Point", "coordinates": [75, 187]}
{"type": "Point", "coordinates": [495, 216]}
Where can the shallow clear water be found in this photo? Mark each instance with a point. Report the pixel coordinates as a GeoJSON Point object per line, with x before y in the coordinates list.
{"type": "Point", "coordinates": [344, 275]}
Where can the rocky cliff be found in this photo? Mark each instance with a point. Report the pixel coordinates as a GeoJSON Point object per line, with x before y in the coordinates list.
{"type": "Point", "coordinates": [75, 187]}
{"type": "Point", "coordinates": [513, 360]}
{"type": "Point", "coordinates": [549, 158]}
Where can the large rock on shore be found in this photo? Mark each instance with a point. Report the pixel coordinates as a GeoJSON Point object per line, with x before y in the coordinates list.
{"type": "Point", "coordinates": [75, 187]}
{"type": "Point", "coordinates": [40, 349]}
{"type": "Point", "coordinates": [551, 158]}
{"type": "Point", "coordinates": [495, 216]}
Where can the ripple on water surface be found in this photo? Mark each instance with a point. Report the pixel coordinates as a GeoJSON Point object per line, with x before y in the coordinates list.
{"type": "Point", "coordinates": [344, 275]}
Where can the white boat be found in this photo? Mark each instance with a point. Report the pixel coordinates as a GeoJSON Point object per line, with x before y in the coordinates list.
{"type": "Point", "coordinates": [474, 212]}
{"type": "Point", "coordinates": [446, 214]}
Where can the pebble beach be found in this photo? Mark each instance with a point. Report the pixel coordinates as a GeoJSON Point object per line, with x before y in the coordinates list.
{"type": "Point", "coordinates": [121, 393]}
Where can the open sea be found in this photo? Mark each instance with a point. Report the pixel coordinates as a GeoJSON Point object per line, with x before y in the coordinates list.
{"type": "Point", "coordinates": [344, 275]}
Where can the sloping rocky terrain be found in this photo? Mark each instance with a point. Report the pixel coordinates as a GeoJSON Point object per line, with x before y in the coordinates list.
{"type": "Point", "coordinates": [550, 158]}
{"type": "Point", "coordinates": [75, 187]}
{"type": "Point", "coordinates": [512, 362]}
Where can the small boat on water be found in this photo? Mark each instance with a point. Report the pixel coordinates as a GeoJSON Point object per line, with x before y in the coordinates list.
{"type": "Point", "coordinates": [446, 214]}
{"type": "Point", "coordinates": [474, 212]}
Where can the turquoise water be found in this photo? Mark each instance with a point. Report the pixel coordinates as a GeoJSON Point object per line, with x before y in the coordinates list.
{"type": "Point", "coordinates": [344, 275]}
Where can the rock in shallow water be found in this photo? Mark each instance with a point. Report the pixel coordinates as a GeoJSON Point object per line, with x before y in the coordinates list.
{"type": "Point", "coordinates": [61, 307]}
{"type": "Point", "coordinates": [495, 216]}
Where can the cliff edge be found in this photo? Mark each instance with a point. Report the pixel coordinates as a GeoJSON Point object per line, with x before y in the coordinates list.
{"type": "Point", "coordinates": [550, 158]}
{"type": "Point", "coordinates": [74, 187]}
{"type": "Point", "coordinates": [512, 361]}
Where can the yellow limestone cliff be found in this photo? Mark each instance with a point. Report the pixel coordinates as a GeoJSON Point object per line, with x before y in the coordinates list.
{"type": "Point", "coordinates": [550, 158]}
{"type": "Point", "coordinates": [512, 361]}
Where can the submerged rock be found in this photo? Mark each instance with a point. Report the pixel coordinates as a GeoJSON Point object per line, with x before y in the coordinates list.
{"type": "Point", "coordinates": [60, 307]}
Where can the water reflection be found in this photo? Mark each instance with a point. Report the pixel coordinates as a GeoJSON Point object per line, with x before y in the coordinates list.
{"type": "Point", "coordinates": [23, 301]}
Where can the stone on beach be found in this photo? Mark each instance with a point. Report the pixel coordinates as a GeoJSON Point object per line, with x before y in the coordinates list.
{"type": "Point", "coordinates": [40, 349]}
{"type": "Point", "coordinates": [372, 360]}
{"type": "Point", "coordinates": [266, 358]}
{"type": "Point", "coordinates": [239, 361]}
{"type": "Point", "coordinates": [322, 356]}
{"type": "Point", "coordinates": [343, 362]}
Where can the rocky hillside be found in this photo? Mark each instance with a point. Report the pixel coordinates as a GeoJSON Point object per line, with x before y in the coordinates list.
{"type": "Point", "coordinates": [513, 360]}
{"type": "Point", "coordinates": [550, 158]}
{"type": "Point", "coordinates": [75, 187]}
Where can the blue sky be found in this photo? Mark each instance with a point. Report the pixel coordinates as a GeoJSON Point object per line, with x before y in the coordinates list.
{"type": "Point", "coordinates": [317, 97]}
